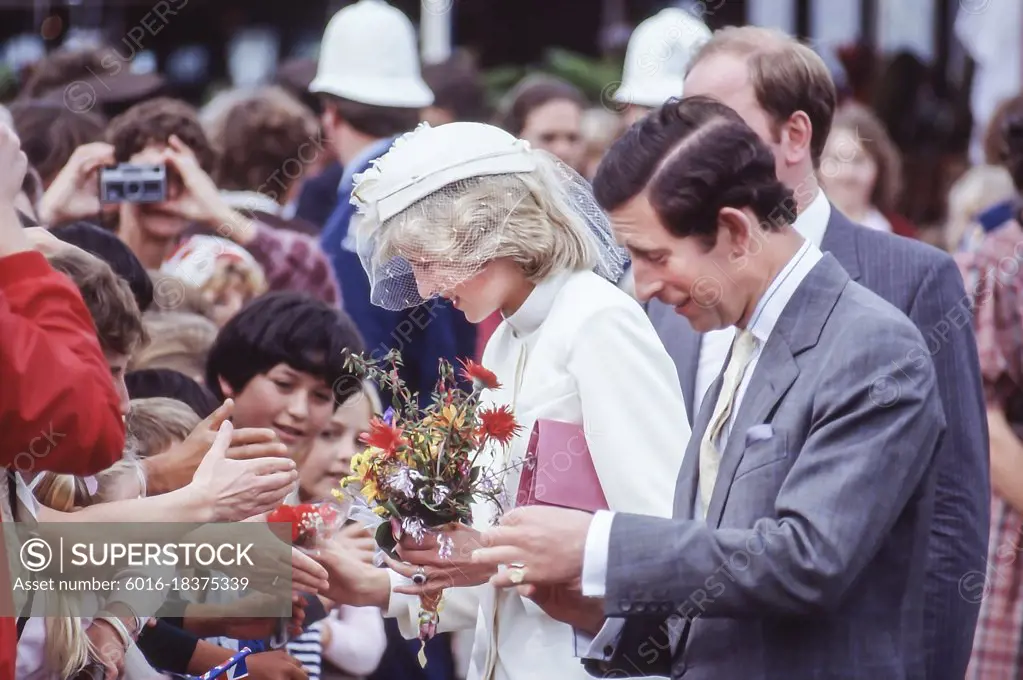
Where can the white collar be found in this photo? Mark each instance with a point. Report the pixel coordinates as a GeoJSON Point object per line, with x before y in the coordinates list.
{"type": "Point", "coordinates": [783, 287]}
{"type": "Point", "coordinates": [813, 221]}
{"type": "Point", "coordinates": [537, 305]}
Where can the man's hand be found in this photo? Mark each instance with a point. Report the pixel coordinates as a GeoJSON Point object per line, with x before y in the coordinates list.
{"type": "Point", "coordinates": [109, 648]}
{"type": "Point", "coordinates": [174, 468]}
{"type": "Point", "coordinates": [352, 578]}
{"type": "Point", "coordinates": [540, 545]}
{"type": "Point", "coordinates": [239, 489]}
{"type": "Point", "coordinates": [566, 603]}
{"type": "Point", "coordinates": [275, 665]}
{"type": "Point", "coordinates": [456, 570]}
{"type": "Point", "coordinates": [74, 192]}
{"type": "Point", "coordinates": [199, 199]}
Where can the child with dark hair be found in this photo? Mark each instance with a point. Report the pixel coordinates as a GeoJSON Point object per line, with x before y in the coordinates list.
{"type": "Point", "coordinates": [281, 360]}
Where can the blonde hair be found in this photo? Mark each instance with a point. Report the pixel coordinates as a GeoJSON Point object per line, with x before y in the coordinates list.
{"type": "Point", "coordinates": [786, 75]}
{"type": "Point", "coordinates": [174, 294]}
{"type": "Point", "coordinates": [68, 648]}
{"type": "Point", "coordinates": [157, 422]}
{"type": "Point", "coordinates": [226, 273]}
{"type": "Point", "coordinates": [525, 217]}
{"type": "Point", "coordinates": [179, 341]}
{"type": "Point", "coordinates": [977, 189]}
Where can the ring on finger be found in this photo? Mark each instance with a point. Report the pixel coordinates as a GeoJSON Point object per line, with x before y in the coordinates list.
{"type": "Point", "coordinates": [517, 572]}
{"type": "Point", "coordinates": [419, 578]}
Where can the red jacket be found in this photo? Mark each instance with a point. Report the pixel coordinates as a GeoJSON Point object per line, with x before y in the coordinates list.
{"type": "Point", "coordinates": [58, 407]}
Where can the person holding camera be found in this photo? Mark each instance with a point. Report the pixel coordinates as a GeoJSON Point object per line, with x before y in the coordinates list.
{"type": "Point", "coordinates": [152, 177]}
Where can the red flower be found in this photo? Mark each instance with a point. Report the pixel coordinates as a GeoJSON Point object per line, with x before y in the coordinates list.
{"type": "Point", "coordinates": [479, 375]}
{"type": "Point", "coordinates": [498, 424]}
{"type": "Point", "coordinates": [287, 514]}
{"type": "Point", "coordinates": [383, 436]}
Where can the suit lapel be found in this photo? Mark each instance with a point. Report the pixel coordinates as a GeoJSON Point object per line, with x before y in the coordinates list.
{"type": "Point", "coordinates": [685, 487]}
{"type": "Point", "coordinates": [683, 346]}
{"type": "Point", "coordinates": [840, 240]}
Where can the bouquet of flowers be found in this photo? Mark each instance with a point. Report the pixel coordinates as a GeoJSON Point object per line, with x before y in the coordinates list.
{"type": "Point", "coordinates": [419, 470]}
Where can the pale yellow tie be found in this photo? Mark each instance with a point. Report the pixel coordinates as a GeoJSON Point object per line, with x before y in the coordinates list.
{"type": "Point", "coordinates": [710, 456]}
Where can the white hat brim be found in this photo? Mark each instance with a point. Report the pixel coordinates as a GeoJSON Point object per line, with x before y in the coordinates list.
{"type": "Point", "coordinates": [405, 93]}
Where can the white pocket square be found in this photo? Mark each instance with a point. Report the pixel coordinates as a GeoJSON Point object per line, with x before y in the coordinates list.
{"type": "Point", "coordinates": [759, 433]}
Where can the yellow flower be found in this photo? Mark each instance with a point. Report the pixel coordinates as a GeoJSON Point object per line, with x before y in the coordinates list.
{"type": "Point", "coordinates": [380, 510]}
{"type": "Point", "coordinates": [370, 490]}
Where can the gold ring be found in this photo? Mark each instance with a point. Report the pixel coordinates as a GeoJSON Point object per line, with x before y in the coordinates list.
{"type": "Point", "coordinates": [517, 574]}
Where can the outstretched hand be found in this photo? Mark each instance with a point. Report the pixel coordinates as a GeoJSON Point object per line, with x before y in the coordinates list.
{"type": "Point", "coordinates": [241, 488]}
{"type": "Point", "coordinates": [173, 468]}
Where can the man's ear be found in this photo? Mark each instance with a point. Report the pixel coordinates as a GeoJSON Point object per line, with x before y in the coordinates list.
{"type": "Point", "coordinates": [796, 138]}
{"type": "Point", "coordinates": [225, 388]}
{"type": "Point", "coordinates": [735, 226]}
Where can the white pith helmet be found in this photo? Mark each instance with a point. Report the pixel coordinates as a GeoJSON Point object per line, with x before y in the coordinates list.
{"type": "Point", "coordinates": [369, 55]}
{"type": "Point", "coordinates": [658, 55]}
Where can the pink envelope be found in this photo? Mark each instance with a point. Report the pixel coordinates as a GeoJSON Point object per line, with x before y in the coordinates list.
{"type": "Point", "coordinates": [558, 469]}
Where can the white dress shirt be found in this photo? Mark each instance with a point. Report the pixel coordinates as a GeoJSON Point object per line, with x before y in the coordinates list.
{"type": "Point", "coordinates": [762, 323]}
{"type": "Point", "coordinates": [579, 350]}
{"type": "Point", "coordinates": [714, 346]}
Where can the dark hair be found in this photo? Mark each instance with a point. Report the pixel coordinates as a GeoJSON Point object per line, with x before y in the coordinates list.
{"type": "Point", "coordinates": [457, 87]}
{"type": "Point", "coordinates": [164, 382]}
{"type": "Point", "coordinates": [372, 120]}
{"type": "Point", "coordinates": [531, 93]}
{"type": "Point", "coordinates": [112, 250]}
{"type": "Point", "coordinates": [694, 157]}
{"type": "Point", "coordinates": [285, 328]}
{"type": "Point", "coordinates": [153, 122]}
{"type": "Point", "coordinates": [110, 301]}
{"type": "Point", "coordinates": [50, 132]}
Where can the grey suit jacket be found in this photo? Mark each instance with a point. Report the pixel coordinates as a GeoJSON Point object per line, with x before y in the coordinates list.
{"type": "Point", "coordinates": [925, 284]}
{"type": "Point", "coordinates": [810, 563]}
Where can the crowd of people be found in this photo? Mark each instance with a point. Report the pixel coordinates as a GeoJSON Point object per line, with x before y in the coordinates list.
{"type": "Point", "coordinates": [717, 248]}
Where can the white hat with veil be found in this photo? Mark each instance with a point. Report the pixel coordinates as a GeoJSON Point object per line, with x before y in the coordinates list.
{"type": "Point", "coordinates": [442, 198]}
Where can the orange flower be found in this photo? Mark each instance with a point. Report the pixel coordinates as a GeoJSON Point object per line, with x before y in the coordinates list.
{"type": "Point", "coordinates": [479, 375]}
{"type": "Point", "coordinates": [385, 437]}
{"type": "Point", "coordinates": [498, 424]}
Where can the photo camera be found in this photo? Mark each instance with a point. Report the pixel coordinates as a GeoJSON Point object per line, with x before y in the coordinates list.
{"type": "Point", "coordinates": [129, 183]}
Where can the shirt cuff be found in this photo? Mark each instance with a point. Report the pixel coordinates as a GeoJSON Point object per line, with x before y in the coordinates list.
{"type": "Point", "coordinates": [598, 540]}
{"type": "Point", "coordinates": [602, 647]}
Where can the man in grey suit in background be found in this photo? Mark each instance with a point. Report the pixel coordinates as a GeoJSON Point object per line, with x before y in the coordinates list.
{"type": "Point", "coordinates": [784, 92]}
{"type": "Point", "coordinates": [805, 498]}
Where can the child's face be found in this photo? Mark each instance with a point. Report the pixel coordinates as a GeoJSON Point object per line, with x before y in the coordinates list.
{"type": "Point", "coordinates": [229, 300]}
{"type": "Point", "coordinates": [330, 458]}
{"type": "Point", "coordinates": [296, 405]}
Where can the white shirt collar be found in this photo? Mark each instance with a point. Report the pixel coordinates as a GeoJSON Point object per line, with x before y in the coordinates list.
{"type": "Point", "coordinates": [782, 288]}
{"type": "Point", "coordinates": [537, 306]}
{"type": "Point", "coordinates": [813, 221]}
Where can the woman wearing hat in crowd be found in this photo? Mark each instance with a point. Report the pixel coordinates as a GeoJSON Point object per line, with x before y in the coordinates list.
{"type": "Point", "coordinates": [467, 212]}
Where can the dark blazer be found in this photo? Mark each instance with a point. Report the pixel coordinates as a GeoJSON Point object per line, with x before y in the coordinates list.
{"type": "Point", "coordinates": [925, 284]}
{"type": "Point", "coordinates": [810, 561]}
